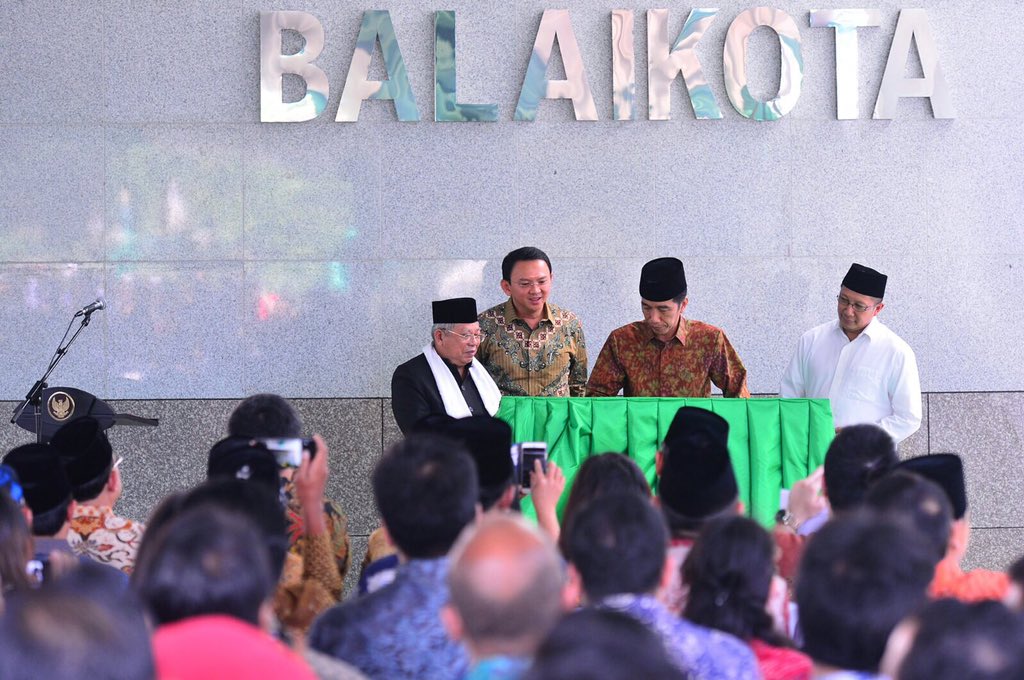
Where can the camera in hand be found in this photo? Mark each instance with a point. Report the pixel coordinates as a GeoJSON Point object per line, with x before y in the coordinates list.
{"type": "Point", "coordinates": [289, 451]}
{"type": "Point", "coordinates": [523, 455]}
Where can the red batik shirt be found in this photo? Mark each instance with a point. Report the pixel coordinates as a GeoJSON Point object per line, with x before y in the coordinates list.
{"type": "Point", "coordinates": [639, 364]}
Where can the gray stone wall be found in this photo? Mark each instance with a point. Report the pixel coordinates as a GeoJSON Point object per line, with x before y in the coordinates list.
{"type": "Point", "coordinates": [237, 256]}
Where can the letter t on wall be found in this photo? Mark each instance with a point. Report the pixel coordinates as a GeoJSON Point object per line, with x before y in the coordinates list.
{"type": "Point", "coordinates": [846, 22]}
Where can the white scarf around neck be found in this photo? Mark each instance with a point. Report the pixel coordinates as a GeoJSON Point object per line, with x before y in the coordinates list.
{"type": "Point", "coordinates": [454, 403]}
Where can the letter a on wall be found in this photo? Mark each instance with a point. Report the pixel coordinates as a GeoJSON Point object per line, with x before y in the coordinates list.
{"type": "Point", "coordinates": [555, 25]}
{"type": "Point", "coordinates": [377, 26]}
{"type": "Point", "coordinates": [913, 24]}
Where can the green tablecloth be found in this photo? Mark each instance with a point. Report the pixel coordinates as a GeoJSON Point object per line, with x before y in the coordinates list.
{"type": "Point", "coordinates": [772, 442]}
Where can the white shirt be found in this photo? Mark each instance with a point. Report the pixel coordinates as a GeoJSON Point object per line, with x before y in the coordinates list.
{"type": "Point", "coordinates": [871, 379]}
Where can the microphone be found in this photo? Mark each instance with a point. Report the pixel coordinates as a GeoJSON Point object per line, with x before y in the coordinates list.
{"type": "Point", "coordinates": [92, 307]}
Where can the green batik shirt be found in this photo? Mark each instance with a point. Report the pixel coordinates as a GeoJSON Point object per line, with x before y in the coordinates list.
{"type": "Point", "coordinates": [547, 361]}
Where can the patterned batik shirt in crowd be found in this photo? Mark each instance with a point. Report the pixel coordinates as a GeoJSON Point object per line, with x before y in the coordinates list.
{"type": "Point", "coordinates": [396, 632]}
{"type": "Point", "coordinates": [547, 361]}
{"type": "Point", "coordinates": [96, 532]}
{"type": "Point", "coordinates": [337, 527]}
{"type": "Point", "coordinates": [702, 653]}
{"type": "Point", "coordinates": [639, 364]}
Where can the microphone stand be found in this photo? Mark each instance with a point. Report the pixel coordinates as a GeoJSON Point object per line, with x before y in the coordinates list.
{"type": "Point", "coordinates": [34, 397]}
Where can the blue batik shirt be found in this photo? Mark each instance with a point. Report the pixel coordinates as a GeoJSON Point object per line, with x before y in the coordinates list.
{"type": "Point", "coordinates": [395, 632]}
{"type": "Point", "coordinates": [702, 653]}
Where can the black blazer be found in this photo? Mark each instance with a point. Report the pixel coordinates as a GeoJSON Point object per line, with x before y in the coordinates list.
{"type": "Point", "coordinates": [414, 393]}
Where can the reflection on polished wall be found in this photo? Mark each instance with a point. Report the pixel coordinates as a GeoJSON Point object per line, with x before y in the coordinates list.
{"type": "Point", "coordinates": [237, 256]}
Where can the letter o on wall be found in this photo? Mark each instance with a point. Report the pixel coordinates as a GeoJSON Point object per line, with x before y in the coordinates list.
{"type": "Point", "coordinates": [734, 63]}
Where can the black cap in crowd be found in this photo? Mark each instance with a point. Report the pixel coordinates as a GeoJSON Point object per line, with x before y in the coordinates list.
{"type": "Point", "coordinates": [42, 476]}
{"type": "Point", "coordinates": [691, 420]}
{"type": "Point", "coordinates": [697, 485]}
{"type": "Point", "coordinates": [946, 470]}
{"type": "Point", "coordinates": [487, 439]}
{"type": "Point", "coordinates": [85, 451]}
{"type": "Point", "coordinates": [244, 458]}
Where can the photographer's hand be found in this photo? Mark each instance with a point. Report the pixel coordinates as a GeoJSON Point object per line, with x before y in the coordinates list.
{"type": "Point", "coordinates": [546, 489]}
{"type": "Point", "coordinates": [310, 484]}
{"type": "Point", "coordinates": [806, 499]}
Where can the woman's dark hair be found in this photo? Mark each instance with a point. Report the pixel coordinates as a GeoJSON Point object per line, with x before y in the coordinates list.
{"type": "Point", "coordinates": [15, 544]}
{"type": "Point", "coordinates": [602, 475]}
{"type": "Point", "coordinates": [729, 573]}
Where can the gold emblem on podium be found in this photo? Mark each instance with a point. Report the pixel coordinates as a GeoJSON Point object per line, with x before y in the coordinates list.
{"type": "Point", "coordinates": [60, 406]}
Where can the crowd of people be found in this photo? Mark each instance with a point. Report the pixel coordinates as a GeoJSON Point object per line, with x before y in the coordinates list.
{"type": "Point", "coordinates": [241, 576]}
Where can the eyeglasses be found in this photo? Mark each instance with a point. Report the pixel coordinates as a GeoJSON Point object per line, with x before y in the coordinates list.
{"type": "Point", "coordinates": [857, 307]}
{"type": "Point", "coordinates": [117, 463]}
{"type": "Point", "coordinates": [466, 337]}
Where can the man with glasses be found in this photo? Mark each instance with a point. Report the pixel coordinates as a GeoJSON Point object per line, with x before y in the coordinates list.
{"type": "Point", "coordinates": [532, 347]}
{"type": "Point", "coordinates": [866, 371]}
{"type": "Point", "coordinates": [446, 377]}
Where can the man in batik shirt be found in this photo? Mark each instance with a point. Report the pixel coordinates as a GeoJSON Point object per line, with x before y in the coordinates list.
{"type": "Point", "coordinates": [95, 530]}
{"type": "Point", "coordinates": [666, 355]}
{"type": "Point", "coordinates": [426, 490]}
{"type": "Point", "coordinates": [531, 347]}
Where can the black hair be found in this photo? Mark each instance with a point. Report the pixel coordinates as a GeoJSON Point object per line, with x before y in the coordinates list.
{"type": "Point", "coordinates": [86, 491]}
{"type": "Point", "coordinates": [919, 502]}
{"type": "Point", "coordinates": [426, 490]}
{"type": "Point", "coordinates": [1016, 572]}
{"type": "Point", "coordinates": [857, 456]}
{"type": "Point", "coordinates": [601, 475]}
{"type": "Point", "coordinates": [206, 561]}
{"type": "Point", "coordinates": [954, 640]}
{"type": "Point", "coordinates": [860, 575]}
{"type": "Point", "coordinates": [168, 508]}
{"type": "Point", "coordinates": [82, 625]}
{"type": "Point", "coordinates": [729, 573]}
{"type": "Point", "coordinates": [682, 526]}
{"type": "Point", "coordinates": [678, 299]}
{"type": "Point", "coordinates": [492, 493]}
{"type": "Point", "coordinates": [593, 644]}
{"type": "Point", "coordinates": [255, 502]}
{"type": "Point", "coordinates": [618, 545]}
{"type": "Point", "coordinates": [524, 254]}
{"type": "Point", "coordinates": [266, 416]}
